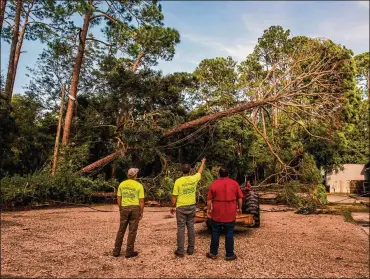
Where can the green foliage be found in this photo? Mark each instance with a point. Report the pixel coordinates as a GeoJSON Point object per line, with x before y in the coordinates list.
{"type": "Point", "coordinates": [118, 105]}
{"type": "Point", "coordinates": [47, 19]}
{"type": "Point", "coordinates": [310, 174]}
{"type": "Point", "coordinates": [320, 194]}
{"type": "Point", "coordinates": [166, 188]}
{"type": "Point", "coordinates": [216, 82]}
{"type": "Point", "coordinates": [363, 72]}
{"type": "Point", "coordinates": [203, 186]}
{"type": "Point", "coordinates": [8, 130]}
{"type": "Point", "coordinates": [28, 136]}
{"type": "Point", "coordinates": [347, 214]}
{"type": "Point", "coordinates": [305, 198]}
{"type": "Point", "coordinates": [288, 194]}
{"type": "Point", "coordinates": [42, 187]}
{"type": "Point", "coordinates": [272, 45]}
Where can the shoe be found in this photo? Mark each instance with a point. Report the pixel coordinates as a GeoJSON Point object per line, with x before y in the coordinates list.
{"type": "Point", "coordinates": [132, 255]}
{"type": "Point", "coordinates": [209, 255]}
{"type": "Point", "coordinates": [190, 253]}
{"type": "Point", "coordinates": [115, 254]}
{"type": "Point", "coordinates": [178, 254]}
{"type": "Point", "coordinates": [232, 258]}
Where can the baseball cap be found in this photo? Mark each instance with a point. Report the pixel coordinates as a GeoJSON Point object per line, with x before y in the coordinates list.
{"type": "Point", "coordinates": [132, 172]}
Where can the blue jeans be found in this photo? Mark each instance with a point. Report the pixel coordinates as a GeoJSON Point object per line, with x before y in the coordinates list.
{"type": "Point", "coordinates": [229, 237]}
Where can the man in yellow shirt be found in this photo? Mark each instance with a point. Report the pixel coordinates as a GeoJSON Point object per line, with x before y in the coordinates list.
{"type": "Point", "coordinates": [184, 197]}
{"type": "Point", "coordinates": [130, 199]}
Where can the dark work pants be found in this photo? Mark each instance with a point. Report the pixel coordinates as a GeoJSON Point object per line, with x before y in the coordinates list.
{"type": "Point", "coordinates": [129, 216]}
{"type": "Point", "coordinates": [229, 237]}
{"type": "Point", "coordinates": [185, 217]}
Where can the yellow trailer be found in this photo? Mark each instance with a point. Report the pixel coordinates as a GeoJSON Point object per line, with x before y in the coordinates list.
{"type": "Point", "coordinates": [242, 219]}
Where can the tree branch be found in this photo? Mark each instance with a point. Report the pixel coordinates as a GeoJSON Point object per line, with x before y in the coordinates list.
{"type": "Point", "coordinates": [96, 40]}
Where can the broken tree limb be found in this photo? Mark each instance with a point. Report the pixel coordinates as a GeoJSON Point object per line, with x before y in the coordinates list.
{"type": "Point", "coordinates": [310, 82]}
{"type": "Point", "coordinates": [102, 162]}
{"type": "Point", "coordinates": [182, 127]}
{"type": "Point", "coordinates": [217, 115]}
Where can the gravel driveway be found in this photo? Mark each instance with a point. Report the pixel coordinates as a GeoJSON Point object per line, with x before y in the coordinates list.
{"type": "Point", "coordinates": [77, 242]}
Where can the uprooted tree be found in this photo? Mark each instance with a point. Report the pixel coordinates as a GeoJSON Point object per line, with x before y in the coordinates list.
{"type": "Point", "coordinates": [305, 84]}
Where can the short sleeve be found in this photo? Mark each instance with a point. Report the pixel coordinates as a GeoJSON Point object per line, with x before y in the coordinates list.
{"type": "Point", "coordinates": [141, 192]}
{"type": "Point", "coordinates": [197, 176]}
{"type": "Point", "coordinates": [119, 191]}
{"type": "Point", "coordinates": [176, 189]}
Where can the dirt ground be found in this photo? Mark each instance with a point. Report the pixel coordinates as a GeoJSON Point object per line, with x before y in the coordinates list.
{"type": "Point", "coordinates": [77, 243]}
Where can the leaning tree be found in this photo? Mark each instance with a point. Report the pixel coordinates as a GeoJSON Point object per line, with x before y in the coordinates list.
{"type": "Point", "coordinates": [310, 81]}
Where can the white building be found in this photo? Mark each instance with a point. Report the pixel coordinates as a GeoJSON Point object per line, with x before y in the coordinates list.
{"type": "Point", "coordinates": [340, 181]}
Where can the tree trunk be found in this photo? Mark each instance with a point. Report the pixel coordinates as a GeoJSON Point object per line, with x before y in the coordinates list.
{"type": "Point", "coordinates": [2, 13]}
{"type": "Point", "coordinates": [101, 162]}
{"type": "Point", "coordinates": [75, 79]}
{"type": "Point", "coordinates": [274, 109]}
{"type": "Point", "coordinates": [114, 172]}
{"type": "Point", "coordinates": [57, 138]}
{"type": "Point", "coordinates": [190, 124]}
{"type": "Point", "coordinates": [137, 62]}
{"type": "Point", "coordinates": [9, 78]}
{"type": "Point", "coordinates": [20, 42]}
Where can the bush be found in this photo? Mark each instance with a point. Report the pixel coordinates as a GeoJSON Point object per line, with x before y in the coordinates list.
{"type": "Point", "coordinates": [305, 198]}
{"type": "Point", "coordinates": [309, 171]}
{"type": "Point", "coordinates": [289, 194]}
{"type": "Point", "coordinates": [41, 187]}
{"type": "Point", "coordinates": [320, 194]}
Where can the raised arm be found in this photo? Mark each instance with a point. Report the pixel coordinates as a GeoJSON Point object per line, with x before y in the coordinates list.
{"type": "Point", "coordinates": [201, 168]}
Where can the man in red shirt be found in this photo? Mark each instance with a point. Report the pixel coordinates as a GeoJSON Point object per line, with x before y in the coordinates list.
{"type": "Point", "coordinates": [223, 197]}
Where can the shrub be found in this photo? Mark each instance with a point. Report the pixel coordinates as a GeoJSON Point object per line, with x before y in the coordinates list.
{"type": "Point", "coordinates": [305, 198]}
{"type": "Point", "coordinates": [41, 187]}
{"type": "Point", "coordinates": [289, 194]}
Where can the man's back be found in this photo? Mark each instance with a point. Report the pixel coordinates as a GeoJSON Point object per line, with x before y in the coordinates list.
{"type": "Point", "coordinates": [224, 193]}
{"type": "Point", "coordinates": [131, 191]}
{"type": "Point", "coordinates": [185, 188]}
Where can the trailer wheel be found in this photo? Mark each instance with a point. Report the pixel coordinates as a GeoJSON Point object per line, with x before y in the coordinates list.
{"type": "Point", "coordinates": [253, 207]}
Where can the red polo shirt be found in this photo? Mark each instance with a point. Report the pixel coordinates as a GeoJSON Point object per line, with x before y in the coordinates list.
{"type": "Point", "coordinates": [224, 193]}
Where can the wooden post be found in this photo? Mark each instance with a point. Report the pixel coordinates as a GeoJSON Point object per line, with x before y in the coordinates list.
{"type": "Point", "coordinates": [56, 147]}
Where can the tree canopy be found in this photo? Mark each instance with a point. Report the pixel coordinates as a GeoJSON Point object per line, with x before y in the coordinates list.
{"type": "Point", "coordinates": [293, 106]}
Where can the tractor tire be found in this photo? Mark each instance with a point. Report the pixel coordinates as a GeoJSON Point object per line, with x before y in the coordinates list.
{"type": "Point", "coordinates": [252, 206]}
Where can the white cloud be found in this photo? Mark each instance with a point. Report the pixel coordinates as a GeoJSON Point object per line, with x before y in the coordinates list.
{"type": "Point", "coordinates": [347, 33]}
{"type": "Point", "coordinates": [237, 49]}
{"type": "Point", "coordinates": [363, 3]}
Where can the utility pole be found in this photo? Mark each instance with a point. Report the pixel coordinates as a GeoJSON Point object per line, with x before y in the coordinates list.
{"type": "Point", "coordinates": [56, 147]}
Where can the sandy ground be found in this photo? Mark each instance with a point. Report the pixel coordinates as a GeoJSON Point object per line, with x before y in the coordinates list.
{"type": "Point", "coordinates": [77, 243]}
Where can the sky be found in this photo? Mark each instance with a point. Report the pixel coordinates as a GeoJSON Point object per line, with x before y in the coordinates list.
{"type": "Point", "coordinates": [211, 29]}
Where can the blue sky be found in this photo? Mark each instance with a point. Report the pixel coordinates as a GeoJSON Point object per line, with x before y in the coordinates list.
{"type": "Point", "coordinates": [231, 28]}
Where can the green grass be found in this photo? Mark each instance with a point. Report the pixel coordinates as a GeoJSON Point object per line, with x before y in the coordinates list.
{"type": "Point", "coordinates": [347, 209]}
{"type": "Point", "coordinates": [348, 216]}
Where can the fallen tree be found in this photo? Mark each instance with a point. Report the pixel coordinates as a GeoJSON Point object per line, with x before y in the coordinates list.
{"type": "Point", "coordinates": [182, 127]}
{"type": "Point", "coordinates": [309, 82]}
